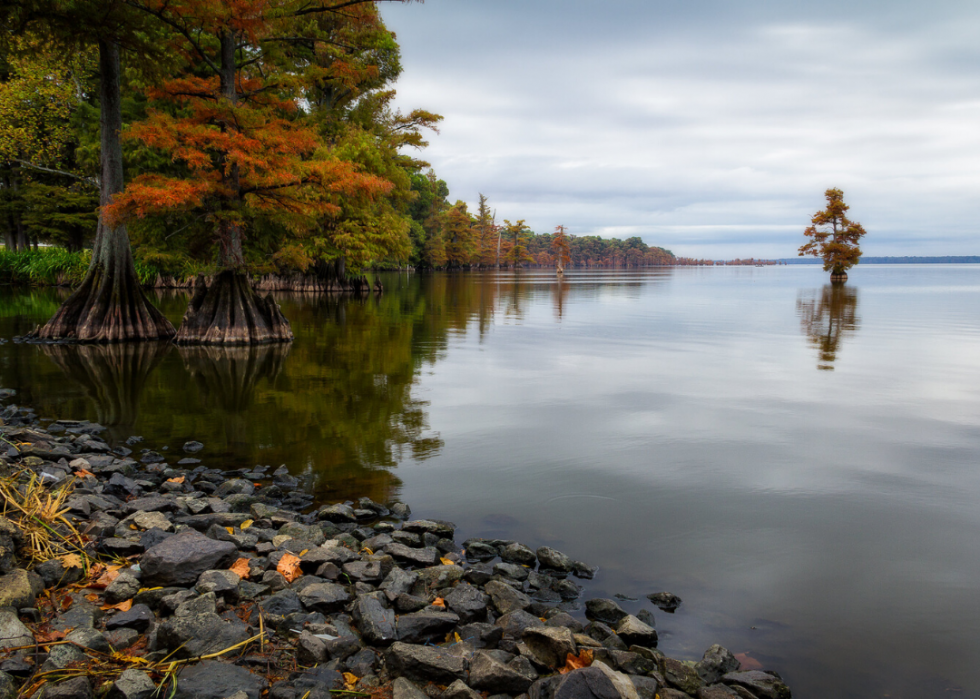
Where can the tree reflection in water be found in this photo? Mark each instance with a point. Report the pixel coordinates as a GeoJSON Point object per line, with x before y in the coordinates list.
{"type": "Point", "coordinates": [827, 319]}
{"type": "Point", "coordinates": [113, 377]}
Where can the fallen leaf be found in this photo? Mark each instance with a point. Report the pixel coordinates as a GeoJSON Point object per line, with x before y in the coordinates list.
{"type": "Point", "coordinates": [82, 473]}
{"type": "Point", "coordinates": [367, 551]}
{"type": "Point", "coordinates": [49, 637]}
{"type": "Point", "coordinates": [440, 602]}
{"type": "Point", "coordinates": [289, 567]}
{"type": "Point", "coordinates": [122, 606]}
{"type": "Point", "coordinates": [92, 598]}
{"type": "Point", "coordinates": [66, 603]}
{"type": "Point", "coordinates": [350, 679]}
{"type": "Point", "coordinates": [178, 479]}
{"type": "Point", "coordinates": [106, 578]}
{"type": "Point", "coordinates": [240, 568]}
{"type": "Point", "coordinates": [303, 552]}
{"type": "Point", "coordinates": [574, 662]}
{"type": "Point", "coordinates": [230, 530]}
{"type": "Point", "coordinates": [447, 562]}
{"type": "Point", "coordinates": [246, 524]}
{"type": "Point", "coordinates": [72, 560]}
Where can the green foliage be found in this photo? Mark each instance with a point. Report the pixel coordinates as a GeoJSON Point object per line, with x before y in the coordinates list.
{"type": "Point", "coordinates": [52, 266]}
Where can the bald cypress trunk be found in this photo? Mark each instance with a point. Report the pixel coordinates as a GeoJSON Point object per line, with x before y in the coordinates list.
{"type": "Point", "coordinates": [229, 312]}
{"type": "Point", "coordinates": [109, 306]}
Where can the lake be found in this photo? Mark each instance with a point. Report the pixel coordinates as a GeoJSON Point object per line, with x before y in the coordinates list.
{"type": "Point", "coordinates": [799, 463]}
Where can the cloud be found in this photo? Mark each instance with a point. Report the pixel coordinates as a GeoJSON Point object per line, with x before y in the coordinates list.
{"type": "Point", "coordinates": [711, 128]}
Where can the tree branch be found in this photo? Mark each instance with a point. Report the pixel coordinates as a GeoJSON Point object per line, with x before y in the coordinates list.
{"type": "Point", "coordinates": [94, 181]}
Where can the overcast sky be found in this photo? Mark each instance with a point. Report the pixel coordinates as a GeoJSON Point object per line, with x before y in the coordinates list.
{"type": "Point", "coordinates": [710, 127]}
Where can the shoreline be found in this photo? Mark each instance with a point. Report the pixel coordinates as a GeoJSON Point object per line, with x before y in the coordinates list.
{"type": "Point", "coordinates": [228, 583]}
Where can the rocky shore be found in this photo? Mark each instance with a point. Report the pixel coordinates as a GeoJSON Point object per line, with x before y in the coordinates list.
{"type": "Point", "coordinates": [128, 574]}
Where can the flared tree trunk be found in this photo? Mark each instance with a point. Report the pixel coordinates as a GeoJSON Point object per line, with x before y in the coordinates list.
{"type": "Point", "coordinates": [229, 312]}
{"type": "Point", "coordinates": [109, 306]}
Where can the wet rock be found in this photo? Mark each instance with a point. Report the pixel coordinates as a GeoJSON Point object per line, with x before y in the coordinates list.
{"type": "Point", "coordinates": [583, 570]}
{"type": "Point", "coordinates": [716, 662]}
{"type": "Point", "coordinates": [479, 550]}
{"type": "Point", "coordinates": [53, 572]}
{"type": "Point", "coordinates": [336, 513]}
{"type": "Point", "coordinates": [132, 684]}
{"type": "Point", "coordinates": [604, 610]}
{"type": "Point", "coordinates": [717, 691]}
{"type": "Point", "coordinates": [626, 662]}
{"type": "Point", "coordinates": [421, 557]}
{"type": "Point", "coordinates": [511, 571]}
{"type": "Point", "coordinates": [223, 583]}
{"type": "Point", "coordinates": [89, 638]}
{"type": "Point", "coordinates": [635, 632]}
{"type": "Point", "coordinates": [425, 625]}
{"type": "Point", "coordinates": [518, 553]}
{"type": "Point", "coordinates": [550, 645]}
{"type": "Point", "coordinates": [595, 682]}
{"type": "Point", "coordinates": [459, 690]}
{"type": "Point", "coordinates": [400, 510]}
{"type": "Point", "coordinates": [554, 560]}
{"type": "Point", "coordinates": [764, 685]}
{"type": "Point", "coordinates": [425, 663]}
{"type": "Point", "coordinates": [481, 635]}
{"type": "Point", "coordinates": [428, 526]}
{"type": "Point", "coordinates": [375, 621]}
{"type": "Point", "coordinates": [666, 601]}
{"type": "Point", "coordinates": [505, 598]}
{"type": "Point", "coordinates": [365, 571]}
{"type": "Point", "coordinates": [646, 687]}
{"type": "Point", "coordinates": [567, 620]}
{"type": "Point", "coordinates": [310, 650]}
{"type": "Point", "coordinates": [8, 687]}
{"type": "Point", "coordinates": [182, 558]}
{"type": "Point", "coordinates": [204, 604]}
{"type": "Point", "coordinates": [489, 674]}
{"type": "Point", "coordinates": [515, 623]}
{"type": "Point", "coordinates": [192, 447]}
{"type": "Point", "coordinates": [201, 634]}
{"type": "Point", "coordinates": [682, 676]}
{"type": "Point", "coordinates": [216, 680]}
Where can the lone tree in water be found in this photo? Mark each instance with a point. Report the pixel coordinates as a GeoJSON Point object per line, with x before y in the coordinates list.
{"type": "Point", "coordinates": [834, 237]}
{"type": "Point", "coordinates": [559, 243]}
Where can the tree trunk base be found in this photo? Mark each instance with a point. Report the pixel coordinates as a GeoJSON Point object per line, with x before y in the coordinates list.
{"type": "Point", "coordinates": [109, 306]}
{"type": "Point", "coordinates": [838, 277]}
{"type": "Point", "coordinates": [229, 312]}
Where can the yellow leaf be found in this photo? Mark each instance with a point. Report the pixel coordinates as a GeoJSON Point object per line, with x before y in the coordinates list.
{"type": "Point", "coordinates": [458, 639]}
{"type": "Point", "coordinates": [439, 602]}
{"type": "Point", "coordinates": [178, 479]}
{"type": "Point", "coordinates": [246, 524]}
{"type": "Point", "coordinates": [122, 606]}
{"type": "Point", "coordinates": [350, 680]}
{"type": "Point", "coordinates": [231, 530]}
{"type": "Point", "coordinates": [367, 551]}
{"type": "Point", "coordinates": [447, 562]}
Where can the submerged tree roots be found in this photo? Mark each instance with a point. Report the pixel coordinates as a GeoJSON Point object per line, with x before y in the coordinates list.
{"type": "Point", "coordinates": [229, 312]}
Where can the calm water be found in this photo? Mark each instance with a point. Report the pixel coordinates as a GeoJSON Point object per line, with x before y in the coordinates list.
{"type": "Point", "coordinates": [800, 464]}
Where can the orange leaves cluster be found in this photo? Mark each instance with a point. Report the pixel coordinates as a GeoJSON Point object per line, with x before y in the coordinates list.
{"type": "Point", "coordinates": [288, 567]}
{"type": "Point", "coordinates": [574, 662]}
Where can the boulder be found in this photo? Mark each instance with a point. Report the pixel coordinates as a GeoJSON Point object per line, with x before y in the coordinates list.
{"type": "Point", "coordinates": [554, 560]}
{"type": "Point", "coordinates": [132, 684]}
{"type": "Point", "coordinates": [505, 598]}
{"type": "Point", "coordinates": [604, 610]}
{"type": "Point", "coordinates": [19, 588]}
{"type": "Point", "coordinates": [762, 684]}
{"type": "Point", "coordinates": [200, 634]}
{"type": "Point", "coordinates": [595, 682]}
{"type": "Point", "coordinates": [550, 645]}
{"type": "Point", "coordinates": [325, 598]}
{"type": "Point", "coordinates": [468, 602]}
{"type": "Point", "coordinates": [375, 622]}
{"type": "Point", "coordinates": [403, 688]}
{"type": "Point", "coordinates": [426, 625]}
{"type": "Point", "coordinates": [518, 553]}
{"type": "Point", "coordinates": [716, 662]}
{"type": "Point", "coordinates": [12, 632]}
{"type": "Point", "coordinates": [635, 633]}
{"type": "Point", "coordinates": [75, 688]}
{"type": "Point", "coordinates": [180, 559]}
{"type": "Point", "coordinates": [490, 675]}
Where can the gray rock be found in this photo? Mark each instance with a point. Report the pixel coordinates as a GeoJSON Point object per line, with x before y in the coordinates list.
{"type": "Point", "coordinates": [646, 687]}
{"type": "Point", "coordinates": [398, 582]}
{"type": "Point", "coordinates": [138, 617]}
{"type": "Point", "coordinates": [81, 615]}
{"type": "Point", "coordinates": [604, 610]}
{"type": "Point", "coordinates": [326, 598]}
{"type": "Point", "coordinates": [665, 600]}
{"type": "Point", "coordinates": [421, 557]}
{"type": "Point", "coordinates": [12, 632]}
{"type": "Point", "coordinates": [682, 676]}
{"type": "Point", "coordinates": [336, 513]}
{"type": "Point", "coordinates": [52, 572]}
{"type": "Point", "coordinates": [403, 688]}
{"type": "Point", "coordinates": [762, 684]}
{"type": "Point", "coordinates": [203, 604]}
{"type": "Point", "coordinates": [468, 602]}
{"type": "Point", "coordinates": [425, 625]}
{"type": "Point", "coordinates": [567, 620]}
{"type": "Point", "coordinates": [480, 550]}
{"type": "Point", "coordinates": [518, 553]}
{"type": "Point", "coordinates": [459, 690]}
{"type": "Point", "coordinates": [490, 675]}
{"type": "Point", "coordinates": [132, 684]}
{"type": "Point", "coordinates": [626, 661]}
{"type": "Point", "coordinates": [180, 559]}
{"type": "Point", "coordinates": [635, 632]}
{"type": "Point", "coordinates": [89, 638]}
{"type": "Point", "coordinates": [505, 598]}
{"type": "Point", "coordinates": [428, 526]}
{"type": "Point", "coordinates": [19, 588]}
{"type": "Point", "coordinates": [234, 486]}
{"type": "Point", "coordinates": [199, 635]}
{"type": "Point", "coordinates": [282, 603]}
{"type": "Point", "coordinates": [425, 663]}
{"type": "Point", "coordinates": [10, 539]}
{"type": "Point", "coordinates": [8, 686]}
{"type": "Point", "coordinates": [716, 662]}
{"type": "Point", "coordinates": [596, 681]}
{"type": "Point", "coordinates": [192, 447]}
{"type": "Point", "coordinates": [511, 571]}
{"type": "Point", "coordinates": [515, 623]}
{"type": "Point", "coordinates": [223, 583]}
{"type": "Point", "coordinates": [216, 680]}
{"type": "Point", "coordinates": [121, 638]}
{"type": "Point", "coordinates": [375, 622]}
{"type": "Point", "coordinates": [124, 587]}
{"type": "Point", "coordinates": [75, 688]}
{"type": "Point", "coordinates": [59, 657]}
{"type": "Point", "coordinates": [550, 645]}
{"type": "Point", "coordinates": [310, 650]}
{"type": "Point", "coordinates": [554, 560]}
{"type": "Point", "coordinates": [365, 571]}
{"type": "Point", "coordinates": [151, 503]}
{"type": "Point", "coordinates": [400, 510]}
{"type": "Point", "coordinates": [715, 691]}
{"type": "Point", "coordinates": [150, 520]}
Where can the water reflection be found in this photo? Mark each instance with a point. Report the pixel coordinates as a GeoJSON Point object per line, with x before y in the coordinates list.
{"type": "Point", "coordinates": [828, 319]}
{"type": "Point", "coordinates": [227, 376]}
{"type": "Point", "coordinates": [113, 376]}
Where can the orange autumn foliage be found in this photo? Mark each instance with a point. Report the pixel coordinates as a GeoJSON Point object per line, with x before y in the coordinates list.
{"type": "Point", "coordinates": [288, 567]}
{"type": "Point", "coordinates": [574, 662]}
